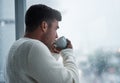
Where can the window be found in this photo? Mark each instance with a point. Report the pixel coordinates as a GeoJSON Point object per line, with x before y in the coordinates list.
{"type": "Point", "coordinates": [7, 31]}
{"type": "Point", "coordinates": [93, 28]}
{"type": "Point", "coordinates": [91, 25]}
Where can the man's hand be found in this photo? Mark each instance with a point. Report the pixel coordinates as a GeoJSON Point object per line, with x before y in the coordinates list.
{"type": "Point", "coordinates": [69, 45]}
{"type": "Point", "coordinates": [54, 49]}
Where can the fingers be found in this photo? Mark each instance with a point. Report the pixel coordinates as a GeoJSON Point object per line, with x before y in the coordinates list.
{"type": "Point", "coordinates": [54, 49]}
{"type": "Point", "coordinates": [69, 45]}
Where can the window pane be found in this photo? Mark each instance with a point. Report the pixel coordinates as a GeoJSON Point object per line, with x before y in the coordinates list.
{"type": "Point", "coordinates": [7, 31]}
{"type": "Point", "coordinates": [93, 26]}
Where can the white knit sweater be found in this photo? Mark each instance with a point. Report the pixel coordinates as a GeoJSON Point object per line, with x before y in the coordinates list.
{"type": "Point", "coordinates": [30, 61]}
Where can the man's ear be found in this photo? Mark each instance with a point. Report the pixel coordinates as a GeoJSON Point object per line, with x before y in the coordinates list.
{"type": "Point", "coordinates": [44, 26]}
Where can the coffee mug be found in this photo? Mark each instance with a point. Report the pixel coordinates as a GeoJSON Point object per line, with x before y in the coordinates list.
{"type": "Point", "coordinates": [61, 42]}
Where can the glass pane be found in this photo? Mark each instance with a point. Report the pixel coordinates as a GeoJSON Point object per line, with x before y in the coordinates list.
{"type": "Point", "coordinates": [52, 3]}
{"type": "Point", "coordinates": [93, 26]}
{"type": "Point", "coordinates": [7, 31]}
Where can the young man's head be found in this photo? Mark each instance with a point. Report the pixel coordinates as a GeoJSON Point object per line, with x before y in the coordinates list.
{"type": "Point", "coordinates": [41, 23]}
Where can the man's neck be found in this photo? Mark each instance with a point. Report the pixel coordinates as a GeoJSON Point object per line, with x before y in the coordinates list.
{"type": "Point", "coordinates": [32, 35]}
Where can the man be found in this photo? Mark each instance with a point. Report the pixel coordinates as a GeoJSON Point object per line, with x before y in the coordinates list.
{"type": "Point", "coordinates": [30, 59]}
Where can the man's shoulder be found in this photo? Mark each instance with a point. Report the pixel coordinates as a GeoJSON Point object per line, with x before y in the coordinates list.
{"type": "Point", "coordinates": [27, 42]}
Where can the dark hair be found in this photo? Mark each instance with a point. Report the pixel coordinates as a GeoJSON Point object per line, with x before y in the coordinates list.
{"type": "Point", "coordinates": [38, 13]}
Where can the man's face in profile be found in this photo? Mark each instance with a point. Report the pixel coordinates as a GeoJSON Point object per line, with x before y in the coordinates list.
{"type": "Point", "coordinates": [51, 33]}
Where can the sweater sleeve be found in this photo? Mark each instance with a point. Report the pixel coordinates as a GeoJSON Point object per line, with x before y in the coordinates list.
{"type": "Point", "coordinates": [44, 68]}
{"type": "Point", "coordinates": [56, 56]}
{"type": "Point", "coordinates": [70, 63]}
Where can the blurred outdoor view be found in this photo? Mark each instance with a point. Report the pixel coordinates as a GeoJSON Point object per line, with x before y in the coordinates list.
{"type": "Point", "coordinates": [93, 26]}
